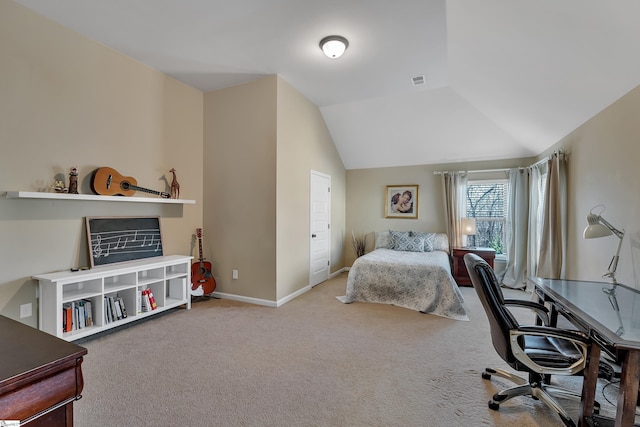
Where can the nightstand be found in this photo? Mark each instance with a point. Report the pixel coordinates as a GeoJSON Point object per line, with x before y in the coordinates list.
{"type": "Point", "coordinates": [460, 273]}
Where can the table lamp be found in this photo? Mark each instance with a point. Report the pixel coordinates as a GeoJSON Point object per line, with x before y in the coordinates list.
{"type": "Point", "coordinates": [468, 228]}
{"type": "Point", "coordinates": [600, 227]}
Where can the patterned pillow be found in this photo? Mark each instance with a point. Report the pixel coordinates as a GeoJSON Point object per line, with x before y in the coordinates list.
{"type": "Point", "coordinates": [411, 244]}
{"type": "Point", "coordinates": [398, 237]}
{"type": "Point", "coordinates": [428, 239]}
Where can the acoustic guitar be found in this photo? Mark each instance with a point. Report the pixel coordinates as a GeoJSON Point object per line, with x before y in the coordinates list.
{"type": "Point", "coordinates": [202, 281]}
{"type": "Point", "coordinates": [107, 181]}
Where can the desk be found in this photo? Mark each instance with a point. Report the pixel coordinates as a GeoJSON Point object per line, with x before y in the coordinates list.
{"type": "Point", "coordinates": [40, 376]}
{"type": "Point", "coordinates": [610, 315]}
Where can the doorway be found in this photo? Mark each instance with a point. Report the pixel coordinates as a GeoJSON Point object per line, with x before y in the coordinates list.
{"type": "Point", "coordinates": [320, 227]}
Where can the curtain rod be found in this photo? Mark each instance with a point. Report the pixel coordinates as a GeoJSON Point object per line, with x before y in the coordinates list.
{"type": "Point", "coordinates": [477, 171]}
{"type": "Point", "coordinates": [539, 162]}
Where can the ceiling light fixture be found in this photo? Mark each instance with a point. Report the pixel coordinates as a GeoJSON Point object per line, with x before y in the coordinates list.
{"type": "Point", "coordinates": [334, 46]}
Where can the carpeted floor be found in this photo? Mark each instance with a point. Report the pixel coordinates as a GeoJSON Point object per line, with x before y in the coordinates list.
{"type": "Point", "coordinates": [312, 362]}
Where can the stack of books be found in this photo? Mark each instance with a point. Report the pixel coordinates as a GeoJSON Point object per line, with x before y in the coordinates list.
{"type": "Point", "coordinates": [114, 308]}
{"type": "Point", "coordinates": [77, 315]}
{"type": "Point", "coordinates": [147, 301]}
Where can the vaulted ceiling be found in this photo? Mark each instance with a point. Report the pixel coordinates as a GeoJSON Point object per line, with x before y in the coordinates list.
{"type": "Point", "coordinates": [503, 78]}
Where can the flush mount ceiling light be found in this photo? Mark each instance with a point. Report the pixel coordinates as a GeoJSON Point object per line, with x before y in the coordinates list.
{"type": "Point", "coordinates": [334, 46]}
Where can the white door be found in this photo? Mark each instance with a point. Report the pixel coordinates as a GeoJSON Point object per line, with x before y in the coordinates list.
{"type": "Point", "coordinates": [320, 213]}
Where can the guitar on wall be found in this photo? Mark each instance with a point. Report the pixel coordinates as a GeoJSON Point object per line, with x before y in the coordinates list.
{"type": "Point", "coordinates": [106, 181]}
{"type": "Point", "coordinates": [202, 281]}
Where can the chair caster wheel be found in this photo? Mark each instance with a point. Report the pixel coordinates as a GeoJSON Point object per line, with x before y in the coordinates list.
{"type": "Point", "coordinates": [486, 375]}
{"type": "Point", "coordinates": [493, 405]}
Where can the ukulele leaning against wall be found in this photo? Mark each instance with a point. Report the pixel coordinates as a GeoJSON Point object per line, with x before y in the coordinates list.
{"type": "Point", "coordinates": [202, 281]}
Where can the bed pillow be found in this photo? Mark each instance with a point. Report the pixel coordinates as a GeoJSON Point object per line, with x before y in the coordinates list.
{"type": "Point", "coordinates": [398, 237]}
{"type": "Point", "coordinates": [440, 242]}
{"type": "Point", "coordinates": [428, 239]}
{"type": "Point", "coordinates": [383, 240]}
{"type": "Point", "coordinates": [411, 244]}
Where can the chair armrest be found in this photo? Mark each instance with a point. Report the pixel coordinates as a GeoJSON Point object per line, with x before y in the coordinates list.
{"type": "Point", "coordinates": [549, 331]}
{"type": "Point", "coordinates": [540, 309]}
{"type": "Point", "coordinates": [579, 340]}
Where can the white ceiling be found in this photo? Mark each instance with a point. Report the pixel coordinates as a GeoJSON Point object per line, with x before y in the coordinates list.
{"type": "Point", "coordinates": [504, 78]}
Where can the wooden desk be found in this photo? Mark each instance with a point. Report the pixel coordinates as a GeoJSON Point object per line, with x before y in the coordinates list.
{"type": "Point", "coordinates": [607, 314]}
{"type": "Point", "coordinates": [40, 376]}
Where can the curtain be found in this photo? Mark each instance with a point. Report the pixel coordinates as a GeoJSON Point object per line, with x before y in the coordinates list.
{"type": "Point", "coordinates": [553, 240]}
{"type": "Point", "coordinates": [537, 176]}
{"type": "Point", "coordinates": [515, 274]}
{"type": "Point", "coordinates": [454, 190]}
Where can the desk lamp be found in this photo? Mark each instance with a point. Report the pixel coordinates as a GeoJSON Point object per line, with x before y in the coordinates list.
{"type": "Point", "coordinates": [468, 226]}
{"type": "Point", "coordinates": [600, 227]}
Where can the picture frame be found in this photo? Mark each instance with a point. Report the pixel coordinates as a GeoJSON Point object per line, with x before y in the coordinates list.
{"type": "Point", "coordinates": [401, 201]}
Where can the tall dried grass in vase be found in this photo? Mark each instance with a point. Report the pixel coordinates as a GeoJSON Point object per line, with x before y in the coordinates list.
{"type": "Point", "coordinates": [359, 243]}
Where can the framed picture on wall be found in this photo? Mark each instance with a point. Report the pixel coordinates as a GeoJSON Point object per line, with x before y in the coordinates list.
{"type": "Point", "coordinates": [401, 201]}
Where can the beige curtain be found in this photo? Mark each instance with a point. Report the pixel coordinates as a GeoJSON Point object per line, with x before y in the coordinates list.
{"type": "Point", "coordinates": [454, 190]}
{"type": "Point", "coordinates": [553, 240]}
{"type": "Point", "coordinates": [515, 275]}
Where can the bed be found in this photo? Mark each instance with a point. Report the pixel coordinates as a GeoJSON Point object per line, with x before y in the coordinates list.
{"type": "Point", "coordinates": [410, 270]}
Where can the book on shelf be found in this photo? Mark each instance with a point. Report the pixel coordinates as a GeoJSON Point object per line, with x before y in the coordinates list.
{"type": "Point", "coordinates": [146, 301]}
{"type": "Point", "coordinates": [67, 318]}
{"type": "Point", "coordinates": [123, 309]}
{"type": "Point", "coordinates": [114, 308]}
{"type": "Point", "coordinates": [152, 300]}
{"type": "Point", "coordinates": [88, 313]}
{"type": "Point", "coordinates": [77, 315]}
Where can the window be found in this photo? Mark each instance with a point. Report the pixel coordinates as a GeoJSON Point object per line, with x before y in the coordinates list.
{"type": "Point", "coordinates": [487, 202]}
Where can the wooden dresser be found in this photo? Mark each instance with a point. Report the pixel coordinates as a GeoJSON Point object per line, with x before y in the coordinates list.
{"type": "Point", "coordinates": [40, 376]}
{"type": "Point", "coordinates": [460, 273]}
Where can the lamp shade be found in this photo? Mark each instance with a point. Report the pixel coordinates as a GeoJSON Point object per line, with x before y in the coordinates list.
{"type": "Point", "coordinates": [334, 46]}
{"type": "Point", "coordinates": [595, 229]}
{"type": "Point", "coordinates": [468, 226]}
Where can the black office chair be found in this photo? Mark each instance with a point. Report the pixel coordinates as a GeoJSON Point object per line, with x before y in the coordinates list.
{"type": "Point", "coordinates": [541, 351]}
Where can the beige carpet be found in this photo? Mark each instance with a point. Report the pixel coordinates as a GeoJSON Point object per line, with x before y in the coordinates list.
{"type": "Point", "coordinates": [312, 362]}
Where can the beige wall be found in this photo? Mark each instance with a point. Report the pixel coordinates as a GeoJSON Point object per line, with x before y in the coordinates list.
{"type": "Point", "coordinates": [366, 192]}
{"type": "Point", "coordinates": [67, 101]}
{"type": "Point", "coordinates": [304, 144]}
{"type": "Point", "coordinates": [240, 187]}
{"type": "Point", "coordinates": [261, 141]}
{"type": "Point", "coordinates": [603, 169]}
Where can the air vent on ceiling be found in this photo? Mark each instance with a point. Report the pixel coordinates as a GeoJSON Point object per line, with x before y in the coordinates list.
{"type": "Point", "coordinates": [418, 80]}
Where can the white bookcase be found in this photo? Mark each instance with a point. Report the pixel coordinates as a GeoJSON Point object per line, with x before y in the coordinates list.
{"type": "Point", "coordinates": [168, 277]}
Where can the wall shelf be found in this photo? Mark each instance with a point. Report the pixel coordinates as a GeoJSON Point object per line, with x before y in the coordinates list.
{"type": "Point", "coordinates": [91, 197]}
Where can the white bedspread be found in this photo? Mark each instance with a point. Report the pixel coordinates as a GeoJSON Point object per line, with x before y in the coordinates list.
{"type": "Point", "coordinates": [419, 281]}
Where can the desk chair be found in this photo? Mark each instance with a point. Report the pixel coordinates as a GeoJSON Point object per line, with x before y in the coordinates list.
{"type": "Point", "coordinates": [540, 351]}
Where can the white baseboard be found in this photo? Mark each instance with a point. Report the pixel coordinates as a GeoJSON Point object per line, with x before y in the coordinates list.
{"type": "Point", "coordinates": [268, 303]}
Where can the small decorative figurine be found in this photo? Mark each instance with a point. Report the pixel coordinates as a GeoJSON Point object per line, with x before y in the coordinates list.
{"type": "Point", "coordinates": [58, 186]}
{"type": "Point", "coordinates": [175, 187]}
{"type": "Point", "coordinates": [73, 180]}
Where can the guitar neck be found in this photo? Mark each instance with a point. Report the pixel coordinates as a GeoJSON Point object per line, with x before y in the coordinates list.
{"type": "Point", "coordinates": [200, 247]}
{"type": "Point", "coordinates": [146, 190]}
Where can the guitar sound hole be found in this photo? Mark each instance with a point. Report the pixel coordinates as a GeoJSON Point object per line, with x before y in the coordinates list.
{"type": "Point", "coordinates": [125, 185]}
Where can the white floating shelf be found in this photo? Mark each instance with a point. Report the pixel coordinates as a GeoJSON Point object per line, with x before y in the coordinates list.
{"type": "Point", "coordinates": [67, 196]}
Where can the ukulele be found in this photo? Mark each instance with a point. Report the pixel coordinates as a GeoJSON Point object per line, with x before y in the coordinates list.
{"type": "Point", "coordinates": [202, 281]}
{"type": "Point", "coordinates": [106, 181]}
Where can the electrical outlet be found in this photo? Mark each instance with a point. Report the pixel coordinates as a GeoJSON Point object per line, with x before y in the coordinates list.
{"type": "Point", "coordinates": [25, 310]}
{"type": "Point", "coordinates": [234, 274]}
